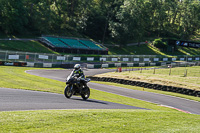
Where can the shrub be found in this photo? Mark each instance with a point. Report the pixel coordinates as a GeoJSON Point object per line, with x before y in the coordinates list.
{"type": "Point", "coordinates": [160, 44]}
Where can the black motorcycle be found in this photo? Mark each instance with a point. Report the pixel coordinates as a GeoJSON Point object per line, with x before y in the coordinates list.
{"type": "Point", "coordinates": [77, 86]}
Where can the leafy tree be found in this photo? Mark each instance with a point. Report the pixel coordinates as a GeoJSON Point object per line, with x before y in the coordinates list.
{"type": "Point", "coordinates": [120, 20]}
{"type": "Point", "coordinates": [14, 16]}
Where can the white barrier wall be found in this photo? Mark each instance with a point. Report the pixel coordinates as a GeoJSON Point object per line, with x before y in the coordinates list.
{"type": "Point", "coordinates": [173, 59]}
{"type": "Point", "coordinates": [156, 59]}
{"type": "Point", "coordinates": [118, 64]}
{"type": "Point", "coordinates": [141, 64]}
{"type": "Point", "coordinates": [14, 57]}
{"type": "Point", "coordinates": [136, 59]}
{"type": "Point", "coordinates": [47, 64]}
{"type": "Point", "coordinates": [114, 59]}
{"type": "Point", "coordinates": [102, 59]}
{"type": "Point", "coordinates": [104, 65]}
{"type": "Point", "coordinates": [90, 58]}
{"type": "Point", "coordinates": [146, 59]}
{"type": "Point", "coordinates": [76, 58]}
{"type": "Point", "coordinates": [125, 59]}
{"type": "Point", "coordinates": [30, 64]}
{"type": "Point", "coordinates": [129, 64]}
{"type": "Point", "coordinates": [152, 64]}
{"type": "Point", "coordinates": [90, 66]}
{"type": "Point", "coordinates": [60, 58]}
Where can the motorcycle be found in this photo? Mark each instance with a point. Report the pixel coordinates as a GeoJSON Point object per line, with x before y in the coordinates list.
{"type": "Point", "coordinates": [77, 86]}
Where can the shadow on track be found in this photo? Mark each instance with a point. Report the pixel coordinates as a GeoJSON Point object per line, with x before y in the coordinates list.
{"type": "Point", "coordinates": [89, 100]}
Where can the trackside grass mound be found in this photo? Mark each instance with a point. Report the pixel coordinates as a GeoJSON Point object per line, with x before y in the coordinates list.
{"type": "Point", "coordinates": [157, 119]}
{"type": "Point", "coordinates": [24, 46]}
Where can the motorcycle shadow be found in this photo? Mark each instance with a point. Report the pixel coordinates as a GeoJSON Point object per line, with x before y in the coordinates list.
{"type": "Point", "coordinates": [89, 100]}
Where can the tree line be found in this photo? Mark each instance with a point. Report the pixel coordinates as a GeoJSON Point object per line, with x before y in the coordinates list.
{"type": "Point", "coordinates": [119, 20]}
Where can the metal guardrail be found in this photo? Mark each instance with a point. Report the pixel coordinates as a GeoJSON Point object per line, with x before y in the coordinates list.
{"type": "Point", "coordinates": [16, 56]}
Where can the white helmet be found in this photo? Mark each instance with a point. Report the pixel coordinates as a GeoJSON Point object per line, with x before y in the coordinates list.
{"type": "Point", "coordinates": [77, 66]}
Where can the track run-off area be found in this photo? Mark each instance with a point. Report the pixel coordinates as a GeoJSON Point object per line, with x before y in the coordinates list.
{"type": "Point", "coordinates": [14, 99]}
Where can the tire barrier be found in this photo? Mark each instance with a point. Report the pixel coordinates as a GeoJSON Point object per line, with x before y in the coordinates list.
{"type": "Point", "coordinates": [149, 85]}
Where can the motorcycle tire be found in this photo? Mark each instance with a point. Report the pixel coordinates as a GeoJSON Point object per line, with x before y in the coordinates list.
{"type": "Point", "coordinates": [85, 93]}
{"type": "Point", "coordinates": [68, 91]}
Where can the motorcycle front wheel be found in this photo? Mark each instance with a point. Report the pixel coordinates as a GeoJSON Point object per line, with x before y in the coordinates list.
{"type": "Point", "coordinates": [68, 91]}
{"type": "Point", "coordinates": [85, 93]}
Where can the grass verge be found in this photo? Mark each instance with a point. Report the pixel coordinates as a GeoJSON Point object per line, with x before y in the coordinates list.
{"type": "Point", "coordinates": [174, 76]}
{"type": "Point", "coordinates": [107, 121]}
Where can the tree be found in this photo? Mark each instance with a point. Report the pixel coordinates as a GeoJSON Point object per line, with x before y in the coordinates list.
{"type": "Point", "coordinates": [14, 16]}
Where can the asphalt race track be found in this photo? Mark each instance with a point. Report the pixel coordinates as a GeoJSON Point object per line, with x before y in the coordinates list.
{"type": "Point", "coordinates": [14, 99]}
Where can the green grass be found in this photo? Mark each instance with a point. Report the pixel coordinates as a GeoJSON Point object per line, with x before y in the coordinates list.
{"type": "Point", "coordinates": [161, 76]}
{"type": "Point", "coordinates": [144, 49]}
{"type": "Point", "coordinates": [25, 46]}
{"type": "Point", "coordinates": [15, 77]}
{"type": "Point", "coordinates": [157, 119]}
{"type": "Point", "coordinates": [107, 121]}
{"type": "Point", "coordinates": [148, 49]}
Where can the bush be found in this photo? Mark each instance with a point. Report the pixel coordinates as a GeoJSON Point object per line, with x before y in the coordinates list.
{"type": "Point", "coordinates": [160, 44]}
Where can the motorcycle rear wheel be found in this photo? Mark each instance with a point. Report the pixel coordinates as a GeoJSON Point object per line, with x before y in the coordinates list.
{"type": "Point", "coordinates": [68, 91]}
{"type": "Point", "coordinates": [85, 93]}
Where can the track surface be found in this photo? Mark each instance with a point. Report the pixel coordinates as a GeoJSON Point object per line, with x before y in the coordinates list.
{"type": "Point", "coordinates": [178, 103]}
{"type": "Point", "coordinates": [14, 99]}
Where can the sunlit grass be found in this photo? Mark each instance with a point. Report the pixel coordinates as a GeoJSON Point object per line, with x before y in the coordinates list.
{"type": "Point", "coordinates": [90, 121]}
{"type": "Point", "coordinates": [181, 77]}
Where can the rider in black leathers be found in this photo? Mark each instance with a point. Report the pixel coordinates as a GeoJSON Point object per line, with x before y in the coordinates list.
{"type": "Point", "coordinates": [78, 72]}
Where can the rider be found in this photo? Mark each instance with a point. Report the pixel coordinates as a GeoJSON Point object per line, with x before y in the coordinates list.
{"type": "Point", "coordinates": [78, 72]}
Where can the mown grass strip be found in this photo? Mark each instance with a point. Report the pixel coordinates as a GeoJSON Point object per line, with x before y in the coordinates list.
{"type": "Point", "coordinates": [98, 121]}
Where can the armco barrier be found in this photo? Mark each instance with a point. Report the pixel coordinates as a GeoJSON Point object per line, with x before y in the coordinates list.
{"type": "Point", "coordinates": [149, 85]}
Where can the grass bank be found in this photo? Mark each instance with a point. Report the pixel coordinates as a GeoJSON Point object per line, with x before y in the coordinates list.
{"type": "Point", "coordinates": [144, 49]}
{"type": "Point", "coordinates": [24, 46]}
{"type": "Point", "coordinates": [148, 49]}
{"type": "Point", "coordinates": [173, 76]}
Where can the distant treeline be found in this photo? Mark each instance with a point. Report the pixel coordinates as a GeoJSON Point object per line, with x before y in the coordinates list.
{"type": "Point", "coordinates": [121, 20]}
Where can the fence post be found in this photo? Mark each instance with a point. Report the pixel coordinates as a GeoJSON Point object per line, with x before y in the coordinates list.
{"type": "Point", "coordinates": [16, 55]}
{"type": "Point", "coordinates": [6, 55]}
{"type": "Point", "coordinates": [52, 57]}
{"type": "Point", "coordinates": [25, 56]}
{"type": "Point", "coordinates": [170, 70]}
{"type": "Point", "coordinates": [154, 71]}
{"type": "Point", "coordinates": [35, 57]}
